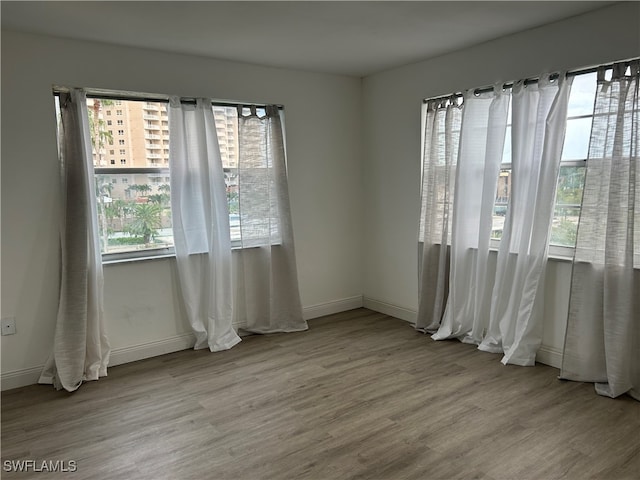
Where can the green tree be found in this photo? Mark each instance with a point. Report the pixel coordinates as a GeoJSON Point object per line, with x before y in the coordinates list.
{"type": "Point", "coordinates": [98, 128]}
{"type": "Point", "coordinates": [103, 196]}
{"type": "Point", "coordinates": [564, 233]}
{"type": "Point", "coordinates": [233, 199]}
{"type": "Point", "coordinates": [139, 189]}
{"type": "Point", "coordinates": [119, 209]}
{"type": "Point", "coordinates": [161, 199]}
{"type": "Point", "coordinates": [570, 185]}
{"type": "Point", "coordinates": [99, 137]}
{"type": "Point", "coordinates": [144, 189]}
{"type": "Point", "coordinates": [146, 221]}
{"type": "Point", "coordinates": [133, 188]}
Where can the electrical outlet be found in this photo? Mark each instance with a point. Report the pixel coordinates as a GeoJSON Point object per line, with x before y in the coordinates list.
{"type": "Point", "coordinates": [8, 326]}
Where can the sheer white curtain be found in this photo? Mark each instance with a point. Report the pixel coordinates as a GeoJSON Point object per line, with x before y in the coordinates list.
{"type": "Point", "coordinates": [539, 116]}
{"type": "Point", "coordinates": [201, 224]}
{"type": "Point", "coordinates": [80, 348]}
{"type": "Point", "coordinates": [484, 123]}
{"type": "Point", "coordinates": [439, 158]}
{"type": "Point", "coordinates": [266, 295]}
{"type": "Point", "coordinates": [602, 342]}
{"type": "Point", "coordinates": [502, 305]}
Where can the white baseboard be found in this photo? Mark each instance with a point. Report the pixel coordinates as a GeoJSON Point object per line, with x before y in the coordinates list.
{"type": "Point", "coordinates": [133, 353]}
{"type": "Point", "coordinates": [151, 349]}
{"type": "Point", "coordinates": [391, 310]}
{"type": "Point", "coordinates": [546, 355]}
{"type": "Point", "coordinates": [21, 378]}
{"type": "Point", "coordinates": [329, 308]}
{"type": "Point", "coordinates": [28, 376]}
{"type": "Point", "coordinates": [549, 356]}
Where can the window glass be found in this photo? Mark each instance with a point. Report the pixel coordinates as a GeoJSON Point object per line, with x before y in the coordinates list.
{"type": "Point", "coordinates": [249, 197]}
{"type": "Point", "coordinates": [503, 193]}
{"type": "Point", "coordinates": [134, 209]}
{"type": "Point", "coordinates": [576, 141]}
{"type": "Point", "coordinates": [573, 161]}
{"type": "Point", "coordinates": [567, 209]}
{"type": "Point", "coordinates": [582, 95]}
{"type": "Point", "coordinates": [226, 119]}
{"type": "Point", "coordinates": [572, 171]}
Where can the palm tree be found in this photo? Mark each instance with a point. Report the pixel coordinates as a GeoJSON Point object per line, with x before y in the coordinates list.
{"type": "Point", "coordinates": [119, 209]}
{"type": "Point", "coordinates": [99, 136]}
{"type": "Point", "coordinates": [144, 189]}
{"type": "Point", "coordinates": [103, 195]}
{"type": "Point", "coordinates": [99, 133]}
{"type": "Point", "coordinates": [132, 188]}
{"type": "Point", "coordinates": [146, 221]}
{"type": "Point", "coordinates": [161, 199]}
{"type": "Point", "coordinates": [139, 188]}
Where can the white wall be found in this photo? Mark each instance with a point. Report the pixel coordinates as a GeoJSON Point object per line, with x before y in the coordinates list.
{"type": "Point", "coordinates": [323, 120]}
{"type": "Point", "coordinates": [392, 104]}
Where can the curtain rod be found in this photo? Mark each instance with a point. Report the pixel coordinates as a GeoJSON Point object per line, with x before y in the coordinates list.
{"type": "Point", "coordinates": [145, 97]}
{"type": "Point", "coordinates": [532, 80]}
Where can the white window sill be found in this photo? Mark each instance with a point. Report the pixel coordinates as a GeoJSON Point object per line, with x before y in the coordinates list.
{"type": "Point", "coordinates": [560, 258]}
{"type": "Point", "coordinates": [138, 259]}
{"type": "Point", "coordinates": [146, 258]}
{"type": "Point", "coordinates": [560, 254]}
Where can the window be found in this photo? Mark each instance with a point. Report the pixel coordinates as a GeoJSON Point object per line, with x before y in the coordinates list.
{"type": "Point", "coordinates": [571, 176]}
{"type": "Point", "coordinates": [228, 133]}
{"type": "Point", "coordinates": [573, 163]}
{"type": "Point", "coordinates": [134, 215]}
{"type": "Point", "coordinates": [120, 122]}
{"type": "Point", "coordinates": [133, 193]}
{"type": "Point", "coordinates": [442, 173]}
{"type": "Point", "coordinates": [572, 170]}
{"type": "Point", "coordinates": [503, 190]}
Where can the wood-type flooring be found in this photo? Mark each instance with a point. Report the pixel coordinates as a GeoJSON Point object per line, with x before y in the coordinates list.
{"type": "Point", "coordinates": [358, 395]}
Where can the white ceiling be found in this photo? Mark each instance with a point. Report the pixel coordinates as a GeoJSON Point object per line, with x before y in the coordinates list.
{"type": "Point", "coordinates": [352, 38]}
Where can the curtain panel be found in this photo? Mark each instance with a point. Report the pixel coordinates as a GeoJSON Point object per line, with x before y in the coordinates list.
{"type": "Point", "coordinates": [201, 224]}
{"type": "Point", "coordinates": [439, 160]}
{"type": "Point", "coordinates": [602, 342]}
{"type": "Point", "coordinates": [80, 348]}
{"type": "Point", "coordinates": [484, 123]}
{"type": "Point", "coordinates": [539, 118]}
{"type": "Point", "coordinates": [266, 294]}
{"type": "Point", "coordinates": [498, 310]}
